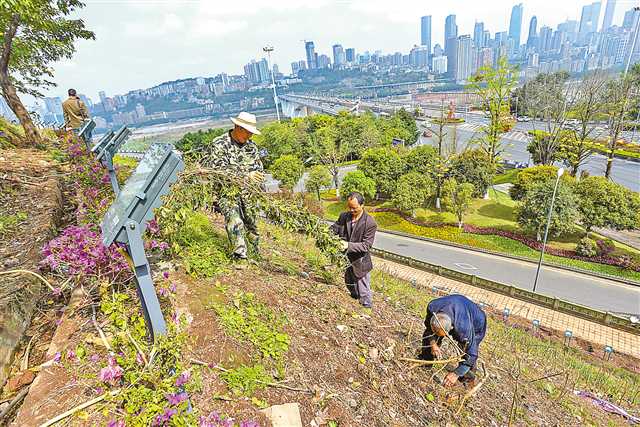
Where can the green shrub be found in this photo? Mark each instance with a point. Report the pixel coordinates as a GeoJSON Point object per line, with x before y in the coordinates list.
{"type": "Point", "coordinates": [358, 181]}
{"type": "Point", "coordinates": [529, 177]}
{"type": "Point", "coordinates": [245, 380]}
{"type": "Point", "coordinates": [287, 169]}
{"type": "Point", "coordinates": [191, 141]}
{"type": "Point", "coordinates": [205, 259]}
{"type": "Point", "coordinates": [587, 247]}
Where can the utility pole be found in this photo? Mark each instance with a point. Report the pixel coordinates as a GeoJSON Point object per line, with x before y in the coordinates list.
{"type": "Point", "coordinates": [546, 230]}
{"type": "Point", "coordinates": [269, 49]}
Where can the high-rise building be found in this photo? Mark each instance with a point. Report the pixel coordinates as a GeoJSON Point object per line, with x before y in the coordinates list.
{"type": "Point", "coordinates": [437, 50]}
{"type": "Point", "coordinates": [478, 35]}
{"type": "Point", "coordinates": [450, 35]}
{"type": "Point", "coordinates": [419, 57]}
{"type": "Point", "coordinates": [350, 55]}
{"type": "Point", "coordinates": [323, 61]}
{"type": "Point", "coordinates": [589, 19]}
{"type": "Point", "coordinates": [501, 38]}
{"type": "Point", "coordinates": [450, 29]}
{"type": "Point", "coordinates": [295, 68]}
{"type": "Point", "coordinates": [311, 55]}
{"type": "Point", "coordinates": [630, 16]}
{"type": "Point", "coordinates": [609, 13]}
{"type": "Point", "coordinates": [464, 64]}
{"type": "Point", "coordinates": [140, 111]}
{"type": "Point", "coordinates": [257, 71]}
{"type": "Point", "coordinates": [339, 58]}
{"type": "Point", "coordinates": [425, 32]}
{"type": "Point", "coordinates": [545, 39]}
{"type": "Point", "coordinates": [515, 24]}
{"type": "Point", "coordinates": [532, 39]}
{"type": "Point", "coordinates": [439, 65]}
{"type": "Point", "coordinates": [53, 105]}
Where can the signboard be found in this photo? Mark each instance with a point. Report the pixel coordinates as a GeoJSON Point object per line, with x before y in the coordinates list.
{"type": "Point", "coordinates": [126, 220]}
{"type": "Point", "coordinates": [99, 146]}
{"type": "Point", "coordinates": [85, 131]}
{"type": "Point", "coordinates": [111, 147]}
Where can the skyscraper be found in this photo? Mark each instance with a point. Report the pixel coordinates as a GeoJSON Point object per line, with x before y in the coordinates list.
{"type": "Point", "coordinates": [450, 29]}
{"type": "Point", "coordinates": [463, 58]}
{"type": "Point", "coordinates": [478, 35]}
{"type": "Point", "coordinates": [545, 39]}
{"type": "Point", "coordinates": [533, 32]}
{"type": "Point", "coordinates": [589, 19]}
{"type": "Point", "coordinates": [515, 24]}
{"type": "Point", "coordinates": [609, 12]}
{"type": "Point", "coordinates": [338, 55]}
{"type": "Point", "coordinates": [350, 55]}
{"type": "Point", "coordinates": [450, 35]}
{"type": "Point", "coordinates": [311, 55]}
{"type": "Point", "coordinates": [425, 32]}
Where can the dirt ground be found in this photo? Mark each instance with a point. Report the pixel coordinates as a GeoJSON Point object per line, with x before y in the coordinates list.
{"type": "Point", "coordinates": [29, 190]}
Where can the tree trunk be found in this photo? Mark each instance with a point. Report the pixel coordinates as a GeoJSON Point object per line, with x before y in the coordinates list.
{"type": "Point", "coordinates": [318, 193]}
{"type": "Point", "coordinates": [607, 172]}
{"type": "Point", "coordinates": [14, 102]}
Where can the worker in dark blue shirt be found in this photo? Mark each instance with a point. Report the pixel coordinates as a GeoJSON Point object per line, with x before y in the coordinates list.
{"type": "Point", "coordinates": [465, 322]}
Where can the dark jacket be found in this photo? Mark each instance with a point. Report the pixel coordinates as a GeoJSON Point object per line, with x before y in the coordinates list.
{"type": "Point", "coordinates": [469, 325]}
{"type": "Point", "coordinates": [360, 240]}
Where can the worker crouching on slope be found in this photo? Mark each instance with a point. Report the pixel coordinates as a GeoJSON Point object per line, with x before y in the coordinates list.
{"type": "Point", "coordinates": [235, 154]}
{"type": "Point", "coordinates": [465, 322]}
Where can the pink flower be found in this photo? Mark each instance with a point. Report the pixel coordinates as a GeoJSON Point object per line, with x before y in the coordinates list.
{"type": "Point", "coordinates": [163, 246]}
{"type": "Point", "coordinates": [111, 373]}
{"type": "Point", "coordinates": [57, 357]}
{"type": "Point", "coordinates": [177, 398]}
{"type": "Point", "coordinates": [172, 288]}
{"type": "Point", "coordinates": [116, 423]}
{"type": "Point", "coordinates": [57, 292]}
{"type": "Point", "coordinates": [139, 359]}
{"type": "Point", "coordinates": [71, 355]}
{"type": "Point", "coordinates": [163, 292]}
{"type": "Point", "coordinates": [165, 274]}
{"type": "Point", "coordinates": [161, 420]}
{"type": "Point", "coordinates": [94, 358]}
{"type": "Point", "coordinates": [183, 378]}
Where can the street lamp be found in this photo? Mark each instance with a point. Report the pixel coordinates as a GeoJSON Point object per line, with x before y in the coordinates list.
{"type": "Point", "coordinates": [546, 230]}
{"type": "Point", "coordinates": [269, 49]}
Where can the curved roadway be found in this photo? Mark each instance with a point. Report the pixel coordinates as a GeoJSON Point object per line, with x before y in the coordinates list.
{"type": "Point", "coordinates": [601, 294]}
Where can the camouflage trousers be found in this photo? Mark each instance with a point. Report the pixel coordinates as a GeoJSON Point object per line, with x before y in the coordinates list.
{"type": "Point", "coordinates": [241, 224]}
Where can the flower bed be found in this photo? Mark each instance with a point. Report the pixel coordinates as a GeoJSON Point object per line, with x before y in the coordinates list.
{"type": "Point", "coordinates": [623, 262]}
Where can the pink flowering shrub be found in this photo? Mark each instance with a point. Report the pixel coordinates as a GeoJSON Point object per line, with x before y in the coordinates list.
{"type": "Point", "coordinates": [78, 251]}
{"type": "Point", "coordinates": [112, 373]}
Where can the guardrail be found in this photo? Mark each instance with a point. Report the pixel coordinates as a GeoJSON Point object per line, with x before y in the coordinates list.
{"type": "Point", "coordinates": [601, 317]}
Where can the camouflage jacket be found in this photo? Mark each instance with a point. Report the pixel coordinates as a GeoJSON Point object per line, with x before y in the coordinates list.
{"type": "Point", "coordinates": [238, 159]}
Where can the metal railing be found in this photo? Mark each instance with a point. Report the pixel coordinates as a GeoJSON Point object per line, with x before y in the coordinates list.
{"type": "Point", "coordinates": [552, 303]}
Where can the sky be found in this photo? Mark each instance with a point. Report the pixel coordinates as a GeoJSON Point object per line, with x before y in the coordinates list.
{"type": "Point", "coordinates": [141, 43]}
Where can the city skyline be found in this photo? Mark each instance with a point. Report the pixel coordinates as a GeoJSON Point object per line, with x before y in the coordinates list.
{"type": "Point", "coordinates": [90, 71]}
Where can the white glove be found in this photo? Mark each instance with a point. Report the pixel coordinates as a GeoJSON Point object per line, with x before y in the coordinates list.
{"type": "Point", "coordinates": [344, 245]}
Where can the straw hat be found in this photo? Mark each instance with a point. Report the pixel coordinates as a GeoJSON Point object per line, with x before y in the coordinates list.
{"type": "Point", "coordinates": [246, 121]}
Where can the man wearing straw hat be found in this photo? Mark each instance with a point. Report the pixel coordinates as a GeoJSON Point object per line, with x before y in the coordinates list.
{"type": "Point", "coordinates": [235, 154]}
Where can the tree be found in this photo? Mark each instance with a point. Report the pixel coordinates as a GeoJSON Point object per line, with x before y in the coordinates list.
{"type": "Point", "coordinates": [619, 91]}
{"type": "Point", "coordinates": [409, 123]}
{"type": "Point", "coordinates": [287, 169]}
{"type": "Point", "coordinates": [457, 198]}
{"type": "Point", "coordinates": [332, 153]}
{"type": "Point", "coordinates": [442, 165]}
{"type": "Point", "coordinates": [547, 98]}
{"type": "Point", "coordinates": [494, 86]}
{"type": "Point", "coordinates": [530, 177]}
{"type": "Point", "coordinates": [603, 203]}
{"type": "Point", "coordinates": [474, 167]}
{"type": "Point", "coordinates": [34, 34]}
{"type": "Point", "coordinates": [319, 177]}
{"type": "Point", "coordinates": [533, 209]}
{"type": "Point", "coordinates": [358, 181]}
{"type": "Point", "coordinates": [422, 159]}
{"type": "Point", "coordinates": [587, 107]}
{"type": "Point", "coordinates": [412, 192]}
{"type": "Point", "coordinates": [384, 166]}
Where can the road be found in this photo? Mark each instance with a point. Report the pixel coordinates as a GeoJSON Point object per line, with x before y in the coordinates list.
{"type": "Point", "coordinates": [579, 288]}
{"type": "Point", "coordinates": [624, 172]}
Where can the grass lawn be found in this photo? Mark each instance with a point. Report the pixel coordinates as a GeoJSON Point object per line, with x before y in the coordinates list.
{"type": "Point", "coordinates": [499, 212]}
{"type": "Point", "coordinates": [507, 177]}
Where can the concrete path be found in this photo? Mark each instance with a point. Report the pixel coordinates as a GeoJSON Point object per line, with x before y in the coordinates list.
{"type": "Point", "coordinates": [622, 342]}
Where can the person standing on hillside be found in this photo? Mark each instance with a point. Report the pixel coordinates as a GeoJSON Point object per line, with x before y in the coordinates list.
{"type": "Point", "coordinates": [465, 322]}
{"type": "Point", "coordinates": [357, 229]}
{"type": "Point", "coordinates": [235, 154]}
{"type": "Point", "coordinates": [75, 111]}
